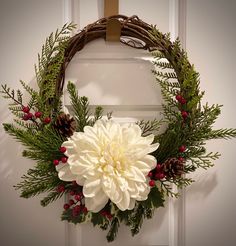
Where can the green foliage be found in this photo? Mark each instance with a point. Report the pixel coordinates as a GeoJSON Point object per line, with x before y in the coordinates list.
{"type": "Point", "coordinates": [176, 76]}
{"type": "Point", "coordinates": [98, 113]}
{"type": "Point", "coordinates": [80, 107]}
{"type": "Point", "coordinates": [37, 181]}
{"type": "Point", "coordinates": [111, 235]}
{"type": "Point", "coordinates": [150, 126]}
{"type": "Point", "coordinates": [44, 148]}
{"type": "Point", "coordinates": [221, 133]}
{"type": "Point", "coordinates": [16, 96]}
{"type": "Point", "coordinates": [51, 197]}
{"type": "Point", "coordinates": [100, 220]}
{"type": "Point", "coordinates": [136, 219]}
{"type": "Point", "coordinates": [27, 88]}
{"type": "Point", "coordinates": [155, 199]}
{"type": "Point", "coordinates": [68, 216]}
{"type": "Point", "coordinates": [49, 67]}
{"type": "Point", "coordinates": [43, 145]}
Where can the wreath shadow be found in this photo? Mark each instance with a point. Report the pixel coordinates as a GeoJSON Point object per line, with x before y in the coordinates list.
{"type": "Point", "coordinates": [203, 187]}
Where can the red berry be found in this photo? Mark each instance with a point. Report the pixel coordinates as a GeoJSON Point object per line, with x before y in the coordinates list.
{"type": "Point", "coordinates": [47, 120]}
{"type": "Point", "coordinates": [38, 114]}
{"type": "Point", "coordinates": [181, 159]}
{"type": "Point", "coordinates": [30, 115]}
{"type": "Point", "coordinates": [25, 117]}
{"type": "Point", "coordinates": [103, 213]}
{"type": "Point", "coordinates": [184, 114]}
{"type": "Point", "coordinates": [109, 216]}
{"type": "Point", "coordinates": [152, 183]}
{"type": "Point", "coordinates": [77, 197]}
{"type": "Point", "coordinates": [182, 148]}
{"type": "Point", "coordinates": [71, 202]}
{"type": "Point", "coordinates": [72, 193]}
{"type": "Point", "coordinates": [77, 208]}
{"type": "Point", "coordinates": [55, 162]}
{"type": "Point", "coordinates": [159, 176]}
{"type": "Point", "coordinates": [178, 97]}
{"type": "Point", "coordinates": [61, 188]}
{"type": "Point", "coordinates": [162, 176]}
{"type": "Point", "coordinates": [158, 167]}
{"type": "Point", "coordinates": [182, 100]}
{"type": "Point", "coordinates": [150, 174]}
{"type": "Point", "coordinates": [85, 210]}
{"type": "Point", "coordinates": [66, 206]}
{"type": "Point", "coordinates": [25, 109]}
{"type": "Point", "coordinates": [64, 159]}
{"type": "Point", "coordinates": [62, 149]}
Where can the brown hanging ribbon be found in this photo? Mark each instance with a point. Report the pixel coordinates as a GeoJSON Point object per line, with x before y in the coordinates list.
{"type": "Point", "coordinates": [113, 28]}
{"type": "Point", "coordinates": [111, 7]}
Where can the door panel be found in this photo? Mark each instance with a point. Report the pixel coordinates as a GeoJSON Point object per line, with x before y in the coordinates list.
{"type": "Point", "coordinates": [120, 79]}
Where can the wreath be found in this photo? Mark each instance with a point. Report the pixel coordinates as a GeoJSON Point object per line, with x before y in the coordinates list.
{"type": "Point", "coordinates": [111, 173]}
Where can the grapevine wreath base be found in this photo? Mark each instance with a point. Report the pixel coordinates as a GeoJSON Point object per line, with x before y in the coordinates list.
{"type": "Point", "coordinates": [111, 173]}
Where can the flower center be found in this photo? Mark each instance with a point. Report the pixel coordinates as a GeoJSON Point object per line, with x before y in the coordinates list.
{"type": "Point", "coordinates": [112, 159]}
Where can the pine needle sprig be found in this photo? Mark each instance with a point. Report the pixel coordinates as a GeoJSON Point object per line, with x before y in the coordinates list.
{"type": "Point", "coordinates": [225, 133]}
{"type": "Point", "coordinates": [80, 107]}
{"type": "Point", "coordinates": [150, 126]}
{"type": "Point", "coordinates": [51, 197]}
{"type": "Point", "coordinates": [36, 181]}
{"type": "Point", "coordinates": [167, 189]}
{"type": "Point", "coordinates": [204, 161]}
{"type": "Point", "coordinates": [27, 88]}
{"type": "Point", "coordinates": [46, 142]}
{"type": "Point", "coordinates": [49, 67]}
{"type": "Point", "coordinates": [27, 125]}
{"type": "Point", "coordinates": [15, 96]}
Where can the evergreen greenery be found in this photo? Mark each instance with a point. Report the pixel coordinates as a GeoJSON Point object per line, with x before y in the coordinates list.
{"type": "Point", "coordinates": [176, 77]}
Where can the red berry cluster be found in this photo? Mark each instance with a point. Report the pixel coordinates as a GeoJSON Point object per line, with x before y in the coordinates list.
{"type": "Point", "coordinates": [76, 203]}
{"type": "Point", "coordinates": [156, 174]}
{"type": "Point", "coordinates": [37, 115]}
{"type": "Point", "coordinates": [63, 159]}
{"type": "Point", "coordinates": [182, 101]}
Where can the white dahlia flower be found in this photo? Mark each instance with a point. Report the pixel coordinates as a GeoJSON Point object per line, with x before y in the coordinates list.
{"type": "Point", "coordinates": [111, 161]}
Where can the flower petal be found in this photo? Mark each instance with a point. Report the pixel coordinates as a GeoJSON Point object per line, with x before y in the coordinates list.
{"type": "Point", "coordinates": [96, 203]}
{"type": "Point", "coordinates": [92, 187]}
{"type": "Point", "coordinates": [111, 189]}
{"type": "Point", "coordinates": [124, 203]}
{"type": "Point", "coordinates": [64, 172]}
{"type": "Point", "coordinates": [131, 204]}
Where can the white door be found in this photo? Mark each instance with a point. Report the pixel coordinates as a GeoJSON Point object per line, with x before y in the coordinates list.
{"type": "Point", "coordinates": [107, 74]}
